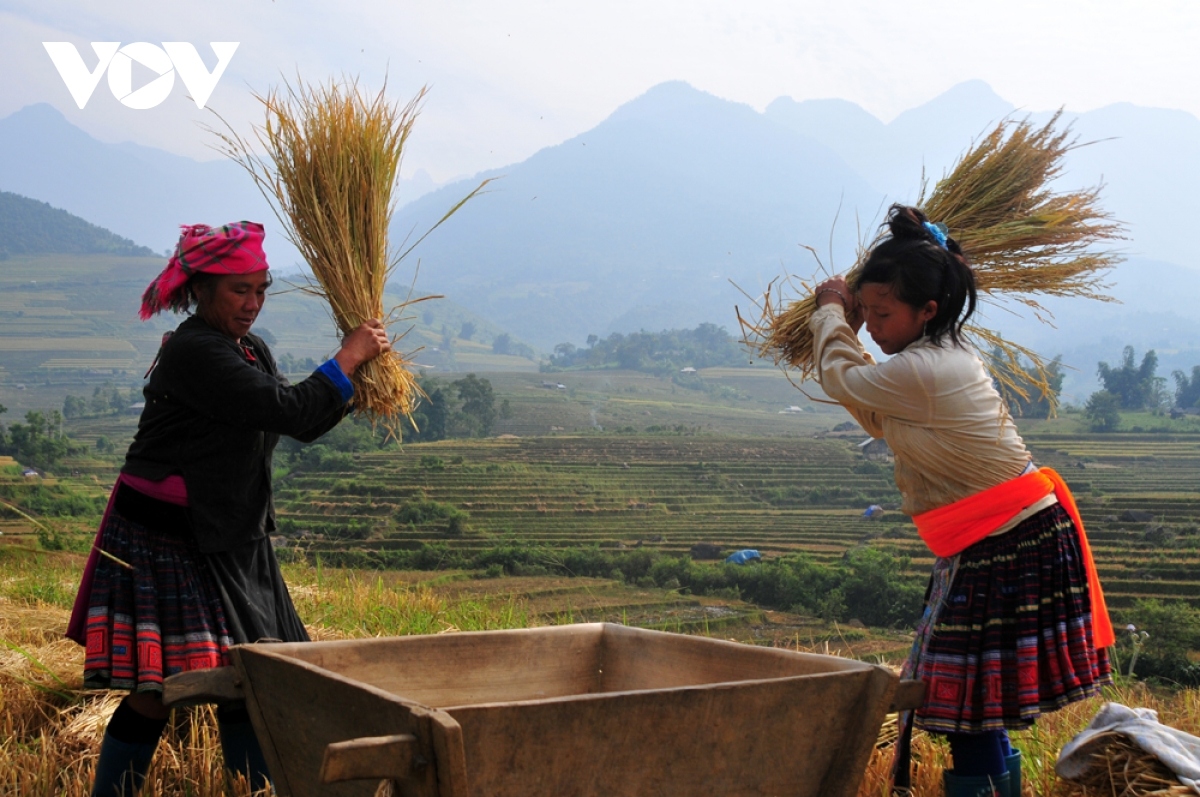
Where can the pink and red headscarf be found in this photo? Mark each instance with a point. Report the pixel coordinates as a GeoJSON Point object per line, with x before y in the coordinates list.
{"type": "Point", "coordinates": [232, 249]}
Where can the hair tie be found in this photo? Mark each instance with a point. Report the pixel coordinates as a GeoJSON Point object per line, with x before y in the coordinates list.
{"type": "Point", "coordinates": [939, 232]}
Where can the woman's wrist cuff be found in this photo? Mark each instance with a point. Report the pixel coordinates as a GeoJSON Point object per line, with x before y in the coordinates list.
{"type": "Point", "coordinates": [334, 371]}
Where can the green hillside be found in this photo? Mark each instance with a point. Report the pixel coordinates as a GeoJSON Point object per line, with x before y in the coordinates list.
{"type": "Point", "coordinates": [69, 321]}
{"type": "Point", "coordinates": [30, 227]}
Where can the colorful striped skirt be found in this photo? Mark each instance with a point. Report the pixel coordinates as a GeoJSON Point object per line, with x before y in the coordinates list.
{"type": "Point", "coordinates": [1008, 631]}
{"type": "Point", "coordinates": [158, 613]}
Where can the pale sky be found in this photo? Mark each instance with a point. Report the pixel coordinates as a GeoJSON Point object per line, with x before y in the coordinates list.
{"type": "Point", "coordinates": [509, 77]}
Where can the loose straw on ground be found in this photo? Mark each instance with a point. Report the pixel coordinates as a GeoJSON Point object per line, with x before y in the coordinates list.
{"type": "Point", "coordinates": [1122, 769]}
{"type": "Point", "coordinates": [332, 159]}
{"type": "Point", "coordinates": [1023, 240]}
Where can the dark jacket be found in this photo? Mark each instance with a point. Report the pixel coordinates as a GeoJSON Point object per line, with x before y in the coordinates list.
{"type": "Point", "coordinates": [214, 412]}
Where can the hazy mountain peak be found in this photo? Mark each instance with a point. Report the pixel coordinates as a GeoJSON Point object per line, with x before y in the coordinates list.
{"type": "Point", "coordinates": [830, 110]}
{"type": "Point", "coordinates": [44, 123]}
{"type": "Point", "coordinates": [671, 99]}
{"type": "Point", "coordinates": [38, 112]}
{"type": "Point", "coordinates": [972, 99]}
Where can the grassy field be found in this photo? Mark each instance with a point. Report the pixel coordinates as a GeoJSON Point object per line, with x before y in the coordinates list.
{"type": "Point", "coordinates": [622, 462]}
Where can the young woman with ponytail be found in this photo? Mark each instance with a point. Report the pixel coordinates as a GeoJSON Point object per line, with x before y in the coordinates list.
{"type": "Point", "coordinates": [1014, 623]}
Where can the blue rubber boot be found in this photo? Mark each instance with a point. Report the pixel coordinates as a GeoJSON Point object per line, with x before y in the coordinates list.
{"type": "Point", "coordinates": [1012, 762]}
{"type": "Point", "coordinates": [239, 745]}
{"type": "Point", "coordinates": [975, 785]}
{"type": "Point", "coordinates": [122, 767]}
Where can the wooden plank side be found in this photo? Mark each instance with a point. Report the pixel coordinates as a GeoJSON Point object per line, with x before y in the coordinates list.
{"type": "Point", "coordinates": [452, 775]}
{"type": "Point", "coordinates": [214, 685]}
{"type": "Point", "coordinates": [299, 710]}
{"type": "Point", "coordinates": [635, 658]}
{"type": "Point", "coordinates": [470, 667]}
{"type": "Point", "coordinates": [756, 738]}
{"type": "Point", "coordinates": [853, 749]}
{"type": "Point", "coordinates": [371, 757]}
{"type": "Point", "coordinates": [910, 694]}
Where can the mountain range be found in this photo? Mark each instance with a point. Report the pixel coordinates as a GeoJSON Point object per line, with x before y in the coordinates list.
{"type": "Point", "coordinates": [657, 216]}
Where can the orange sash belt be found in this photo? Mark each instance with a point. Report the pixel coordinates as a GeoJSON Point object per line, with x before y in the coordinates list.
{"type": "Point", "coordinates": [950, 529]}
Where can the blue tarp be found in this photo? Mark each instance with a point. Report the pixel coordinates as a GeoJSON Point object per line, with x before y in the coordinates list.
{"type": "Point", "coordinates": [744, 556]}
{"type": "Point", "coordinates": [873, 510]}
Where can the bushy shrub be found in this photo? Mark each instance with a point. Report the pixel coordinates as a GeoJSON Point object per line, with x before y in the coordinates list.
{"type": "Point", "coordinates": [1173, 632]}
{"type": "Point", "coordinates": [418, 511]}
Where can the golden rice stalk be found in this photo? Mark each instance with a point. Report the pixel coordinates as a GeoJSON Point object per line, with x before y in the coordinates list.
{"type": "Point", "coordinates": [331, 163]}
{"type": "Point", "coordinates": [1023, 240]}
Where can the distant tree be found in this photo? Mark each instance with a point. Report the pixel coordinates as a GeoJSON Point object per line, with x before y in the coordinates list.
{"type": "Point", "coordinates": [875, 590]}
{"type": "Point", "coordinates": [656, 352]}
{"type": "Point", "coordinates": [1034, 404]}
{"type": "Point", "coordinates": [477, 411]}
{"type": "Point", "coordinates": [502, 343]}
{"type": "Point", "coordinates": [74, 407]}
{"type": "Point", "coordinates": [106, 399]}
{"type": "Point", "coordinates": [302, 366]}
{"type": "Point", "coordinates": [1174, 631]}
{"type": "Point", "coordinates": [467, 330]}
{"type": "Point", "coordinates": [1103, 411]}
{"type": "Point", "coordinates": [39, 442]}
{"type": "Point", "coordinates": [505, 410]}
{"type": "Point", "coordinates": [1135, 386]}
{"type": "Point", "coordinates": [334, 448]}
{"type": "Point", "coordinates": [1187, 391]}
{"type": "Point", "coordinates": [430, 419]}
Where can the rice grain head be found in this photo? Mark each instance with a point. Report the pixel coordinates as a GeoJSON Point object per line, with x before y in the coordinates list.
{"type": "Point", "coordinates": [1024, 241]}
{"type": "Point", "coordinates": [332, 157]}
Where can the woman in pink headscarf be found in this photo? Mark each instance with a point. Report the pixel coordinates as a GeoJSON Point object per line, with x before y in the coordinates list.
{"type": "Point", "coordinates": [189, 568]}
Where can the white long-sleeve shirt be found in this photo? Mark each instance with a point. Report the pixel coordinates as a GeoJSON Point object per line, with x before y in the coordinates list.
{"type": "Point", "coordinates": [935, 405]}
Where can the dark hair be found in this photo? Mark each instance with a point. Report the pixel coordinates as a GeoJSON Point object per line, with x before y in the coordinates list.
{"type": "Point", "coordinates": [201, 283]}
{"type": "Point", "coordinates": [920, 269]}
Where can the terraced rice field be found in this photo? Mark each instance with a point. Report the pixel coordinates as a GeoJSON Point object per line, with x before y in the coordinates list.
{"type": "Point", "coordinates": [778, 496]}
{"type": "Point", "coordinates": [668, 492]}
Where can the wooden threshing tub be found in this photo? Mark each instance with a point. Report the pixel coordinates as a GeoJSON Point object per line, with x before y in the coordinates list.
{"type": "Point", "coordinates": [561, 711]}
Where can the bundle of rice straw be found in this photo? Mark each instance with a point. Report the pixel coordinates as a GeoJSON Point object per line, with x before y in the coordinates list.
{"type": "Point", "coordinates": [332, 159]}
{"type": "Point", "coordinates": [1122, 769]}
{"type": "Point", "coordinates": [1023, 240]}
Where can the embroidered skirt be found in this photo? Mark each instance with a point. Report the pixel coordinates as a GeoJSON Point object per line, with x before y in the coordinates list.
{"type": "Point", "coordinates": [159, 618]}
{"type": "Point", "coordinates": [1012, 636]}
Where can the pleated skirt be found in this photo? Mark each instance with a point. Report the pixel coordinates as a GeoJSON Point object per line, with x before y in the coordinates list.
{"type": "Point", "coordinates": [1012, 637]}
{"type": "Point", "coordinates": [166, 607]}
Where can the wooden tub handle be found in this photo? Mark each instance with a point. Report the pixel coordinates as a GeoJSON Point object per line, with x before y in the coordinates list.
{"type": "Point", "coordinates": [215, 685]}
{"type": "Point", "coordinates": [371, 758]}
{"type": "Point", "coordinates": [910, 694]}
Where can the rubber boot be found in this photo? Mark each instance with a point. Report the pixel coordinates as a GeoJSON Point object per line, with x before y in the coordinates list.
{"type": "Point", "coordinates": [122, 767]}
{"type": "Point", "coordinates": [239, 745]}
{"type": "Point", "coordinates": [1013, 763]}
{"type": "Point", "coordinates": [975, 785]}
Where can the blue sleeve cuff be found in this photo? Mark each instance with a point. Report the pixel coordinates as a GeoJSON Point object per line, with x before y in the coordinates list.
{"type": "Point", "coordinates": [332, 370]}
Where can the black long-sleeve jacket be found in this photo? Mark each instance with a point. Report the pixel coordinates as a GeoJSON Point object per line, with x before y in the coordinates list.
{"type": "Point", "coordinates": [214, 411]}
